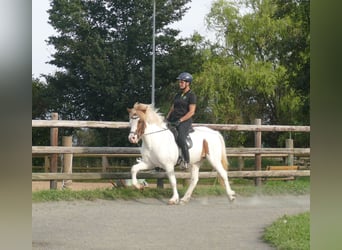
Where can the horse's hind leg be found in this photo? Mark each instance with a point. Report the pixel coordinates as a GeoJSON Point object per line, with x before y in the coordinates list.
{"type": "Point", "coordinates": [193, 183]}
{"type": "Point", "coordinates": [224, 175]}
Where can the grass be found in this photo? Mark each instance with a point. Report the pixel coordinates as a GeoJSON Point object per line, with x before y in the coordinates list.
{"type": "Point", "coordinates": [290, 232]}
{"type": "Point", "coordinates": [117, 193]}
{"type": "Point", "coordinates": [243, 187]}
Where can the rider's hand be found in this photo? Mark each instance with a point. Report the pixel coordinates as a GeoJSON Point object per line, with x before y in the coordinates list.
{"type": "Point", "coordinates": [177, 123]}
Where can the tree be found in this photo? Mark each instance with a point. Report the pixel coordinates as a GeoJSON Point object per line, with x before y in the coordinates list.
{"type": "Point", "coordinates": [40, 102]}
{"type": "Point", "coordinates": [104, 48]}
{"type": "Point", "coordinates": [104, 51]}
{"type": "Point", "coordinates": [257, 73]}
{"type": "Point", "coordinates": [40, 99]}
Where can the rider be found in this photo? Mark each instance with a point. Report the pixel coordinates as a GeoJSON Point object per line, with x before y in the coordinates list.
{"type": "Point", "coordinates": [181, 112]}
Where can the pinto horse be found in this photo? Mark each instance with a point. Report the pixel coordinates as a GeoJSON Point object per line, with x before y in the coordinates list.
{"type": "Point", "coordinates": [159, 149]}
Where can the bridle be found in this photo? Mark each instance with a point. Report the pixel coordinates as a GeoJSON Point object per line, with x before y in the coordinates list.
{"type": "Point", "coordinates": [134, 117]}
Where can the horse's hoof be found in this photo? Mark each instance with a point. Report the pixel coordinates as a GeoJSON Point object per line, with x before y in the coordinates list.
{"type": "Point", "coordinates": [232, 195]}
{"type": "Point", "coordinates": [182, 202]}
{"type": "Point", "coordinates": [232, 198]}
{"type": "Point", "coordinates": [139, 187]}
{"type": "Point", "coordinates": [172, 202]}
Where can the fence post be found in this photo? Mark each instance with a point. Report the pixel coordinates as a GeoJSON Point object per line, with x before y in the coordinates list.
{"type": "Point", "coordinates": [53, 158]}
{"type": "Point", "coordinates": [67, 160]}
{"type": "Point", "coordinates": [241, 162]}
{"type": "Point", "coordinates": [257, 140]}
{"type": "Point", "coordinates": [289, 144]}
{"type": "Point", "coordinates": [160, 181]}
{"type": "Point", "coordinates": [105, 163]}
{"type": "Point", "coordinates": [46, 164]}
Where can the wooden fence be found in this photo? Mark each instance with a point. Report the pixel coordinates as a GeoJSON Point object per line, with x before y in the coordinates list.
{"type": "Point", "coordinates": [258, 151]}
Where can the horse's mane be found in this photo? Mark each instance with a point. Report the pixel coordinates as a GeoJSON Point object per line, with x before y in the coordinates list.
{"type": "Point", "coordinates": [150, 113]}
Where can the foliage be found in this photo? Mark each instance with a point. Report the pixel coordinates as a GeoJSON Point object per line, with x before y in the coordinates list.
{"type": "Point", "coordinates": [40, 100]}
{"type": "Point", "coordinates": [290, 232]}
{"type": "Point", "coordinates": [260, 68]}
{"type": "Point", "coordinates": [104, 48]}
{"type": "Point", "coordinates": [104, 53]}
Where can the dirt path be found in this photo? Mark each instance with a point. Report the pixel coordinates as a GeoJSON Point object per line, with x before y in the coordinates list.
{"type": "Point", "coordinates": [204, 223]}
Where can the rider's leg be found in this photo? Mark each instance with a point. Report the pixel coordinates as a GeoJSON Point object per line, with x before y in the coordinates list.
{"type": "Point", "coordinates": [183, 131]}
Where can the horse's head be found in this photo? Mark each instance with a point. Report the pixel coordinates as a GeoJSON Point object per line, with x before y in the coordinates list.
{"type": "Point", "coordinates": [137, 122]}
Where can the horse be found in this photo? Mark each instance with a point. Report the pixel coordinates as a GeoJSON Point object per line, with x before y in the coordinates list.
{"type": "Point", "coordinates": [159, 149]}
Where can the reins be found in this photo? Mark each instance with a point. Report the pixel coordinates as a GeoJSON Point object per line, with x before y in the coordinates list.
{"type": "Point", "coordinates": [156, 131]}
{"type": "Point", "coordinates": [133, 132]}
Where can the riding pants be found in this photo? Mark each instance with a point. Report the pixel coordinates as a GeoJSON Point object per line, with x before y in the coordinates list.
{"type": "Point", "coordinates": [183, 130]}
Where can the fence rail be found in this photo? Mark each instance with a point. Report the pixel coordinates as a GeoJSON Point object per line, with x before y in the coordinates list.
{"type": "Point", "coordinates": [257, 151]}
{"type": "Point", "coordinates": [136, 150]}
{"type": "Point", "coordinates": [225, 127]}
{"type": "Point", "coordinates": [163, 175]}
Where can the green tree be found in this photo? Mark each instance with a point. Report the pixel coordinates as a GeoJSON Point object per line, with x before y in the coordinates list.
{"type": "Point", "coordinates": [256, 72]}
{"type": "Point", "coordinates": [104, 51]}
{"type": "Point", "coordinates": [39, 99]}
{"type": "Point", "coordinates": [40, 102]}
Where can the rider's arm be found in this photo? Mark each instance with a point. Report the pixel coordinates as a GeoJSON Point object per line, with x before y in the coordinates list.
{"type": "Point", "coordinates": [191, 112]}
{"type": "Point", "coordinates": [171, 110]}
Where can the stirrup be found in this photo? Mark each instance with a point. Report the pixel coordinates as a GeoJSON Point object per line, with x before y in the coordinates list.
{"type": "Point", "coordinates": [179, 160]}
{"type": "Point", "coordinates": [184, 165]}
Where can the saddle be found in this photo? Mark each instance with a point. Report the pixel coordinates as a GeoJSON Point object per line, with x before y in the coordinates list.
{"type": "Point", "coordinates": [188, 138]}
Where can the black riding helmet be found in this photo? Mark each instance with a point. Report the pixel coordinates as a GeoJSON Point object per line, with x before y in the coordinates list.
{"type": "Point", "coordinates": [185, 76]}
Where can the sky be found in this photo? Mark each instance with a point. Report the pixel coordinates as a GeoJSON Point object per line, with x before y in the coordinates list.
{"type": "Point", "coordinates": [41, 30]}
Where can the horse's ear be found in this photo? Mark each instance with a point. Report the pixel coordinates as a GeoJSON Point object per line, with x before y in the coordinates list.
{"type": "Point", "coordinates": [141, 106]}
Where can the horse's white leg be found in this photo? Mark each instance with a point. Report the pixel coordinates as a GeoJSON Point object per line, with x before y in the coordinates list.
{"type": "Point", "coordinates": [224, 175]}
{"type": "Point", "coordinates": [172, 179]}
{"type": "Point", "coordinates": [193, 183]}
{"type": "Point", "coordinates": [134, 170]}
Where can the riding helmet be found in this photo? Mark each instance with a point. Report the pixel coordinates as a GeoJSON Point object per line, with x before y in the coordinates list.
{"type": "Point", "coordinates": [185, 76]}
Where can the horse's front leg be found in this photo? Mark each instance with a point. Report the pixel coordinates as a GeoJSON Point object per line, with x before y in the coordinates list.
{"type": "Point", "coordinates": [134, 171]}
{"type": "Point", "coordinates": [193, 183]}
{"type": "Point", "coordinates": [172, 178]}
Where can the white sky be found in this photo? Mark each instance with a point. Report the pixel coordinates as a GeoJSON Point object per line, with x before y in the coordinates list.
{"type": "Point", "coordinates": [41, 30]}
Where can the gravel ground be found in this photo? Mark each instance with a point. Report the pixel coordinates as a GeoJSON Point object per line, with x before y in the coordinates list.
{"type": "Point", "coordinates": [204, 223]}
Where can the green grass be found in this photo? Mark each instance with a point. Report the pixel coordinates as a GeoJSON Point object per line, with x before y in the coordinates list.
{"type": "Point", "coordinates": [117, 193]}
{"type": "Point", "coordinates": [290, 232]}
{"type": "Point", "coordinates": [243, 187]}
{"type": "Point", "coordinates": [246, 187]}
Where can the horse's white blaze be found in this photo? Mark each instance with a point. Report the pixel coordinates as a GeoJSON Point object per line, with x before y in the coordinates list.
{"type": "Point", "coordinates": [159, 149]}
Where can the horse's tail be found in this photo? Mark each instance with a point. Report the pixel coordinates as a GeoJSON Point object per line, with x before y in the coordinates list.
{"type": "Point", "coordinates": [224, 160]}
